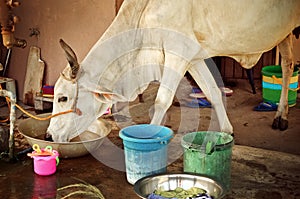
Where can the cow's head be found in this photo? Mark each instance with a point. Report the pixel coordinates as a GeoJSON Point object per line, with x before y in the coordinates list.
{"type": "Point", "coordinates": [70, 93]}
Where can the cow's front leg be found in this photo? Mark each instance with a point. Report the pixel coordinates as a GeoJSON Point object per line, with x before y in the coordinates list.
{"type": "Point", "coordinates": [163, 101]}
{"type": "Point", "coordinates": [207, 83]}
{"type": "Point", "coordinates": [287, 65]}
{"type": "Point", "coordinates": [173, 72]}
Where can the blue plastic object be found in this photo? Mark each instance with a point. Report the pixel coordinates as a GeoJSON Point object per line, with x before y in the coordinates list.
{"type": "Point", "coordinates": [145, 148]}
{"type": "Point", "coordinates": [199, 103]}
{"type": "Point", "coordinates": [266, 106]}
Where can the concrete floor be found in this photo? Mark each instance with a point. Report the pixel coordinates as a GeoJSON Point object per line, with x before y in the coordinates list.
{"type": "Point", "coordinates": [256, 174]}
{"type": "Point", "coordinates": [270, 169]}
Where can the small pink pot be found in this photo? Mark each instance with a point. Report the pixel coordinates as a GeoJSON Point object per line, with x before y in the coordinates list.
{"type": "Point", "coordinates": [45, 165]}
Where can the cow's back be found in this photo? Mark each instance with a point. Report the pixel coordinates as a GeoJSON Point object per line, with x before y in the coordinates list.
{"type": "Point", "coordinates": [239, 29]}
{"type": "Point", "coordinates": [244, 27]}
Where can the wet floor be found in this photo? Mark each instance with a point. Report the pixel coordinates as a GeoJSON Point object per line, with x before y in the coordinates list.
{"type": "Point", "coordinates": [18, 180]}
{"type": "Point", "coordinates": [256, 174]}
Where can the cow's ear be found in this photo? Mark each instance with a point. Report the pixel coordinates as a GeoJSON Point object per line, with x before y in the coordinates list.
{"type": "Point", "coordinates": [71, 57]}
{"type": "Point", "coordinates": [109, 97]}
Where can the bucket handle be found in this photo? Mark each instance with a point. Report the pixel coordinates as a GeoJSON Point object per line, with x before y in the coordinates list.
{"type": "Point", "coordinates": [211, 147]}
{"type": "Point", "coordinates": [164, 142]}
{"type": "Point", "coordinates": [57, 160]}
{"type": "Point", "coordinates": [278, 81]}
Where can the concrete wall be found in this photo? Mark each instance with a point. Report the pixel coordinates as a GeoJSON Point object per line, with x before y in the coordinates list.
{"type": "Point", "coordinates": [79, 22]}
{"type": "Point", "coordinates": [296, 50]}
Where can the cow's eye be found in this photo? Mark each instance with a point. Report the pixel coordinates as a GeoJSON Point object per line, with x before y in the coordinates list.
{"type": "Point", "coordinates": [63, 99]}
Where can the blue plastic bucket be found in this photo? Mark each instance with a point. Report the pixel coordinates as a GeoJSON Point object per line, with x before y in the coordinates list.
{"type": "Point", "coordinates": [145, 148]}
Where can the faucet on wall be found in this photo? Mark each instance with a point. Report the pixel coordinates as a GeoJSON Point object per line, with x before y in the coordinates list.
{"type": "Point", "coordinates": [7, 22]}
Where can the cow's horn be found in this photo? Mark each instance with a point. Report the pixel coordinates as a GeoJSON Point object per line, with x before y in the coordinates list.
{"type": "Point", "coordinates": [71, 57]}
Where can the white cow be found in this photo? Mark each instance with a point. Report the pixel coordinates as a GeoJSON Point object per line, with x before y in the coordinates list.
{"type": "Point", "coordinates": [162, 40]}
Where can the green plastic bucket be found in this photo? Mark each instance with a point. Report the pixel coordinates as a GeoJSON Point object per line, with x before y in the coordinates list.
{"type": "Point", "coordinates": [271, 87]}
{"type": "Point", "coordinates": [208, 153]}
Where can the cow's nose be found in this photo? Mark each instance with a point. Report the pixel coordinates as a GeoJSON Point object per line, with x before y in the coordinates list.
{"type": "Point", "coordinates": [48, 137]}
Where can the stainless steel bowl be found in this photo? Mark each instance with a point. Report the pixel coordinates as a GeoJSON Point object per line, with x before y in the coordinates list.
{"type": "Point", "coordinates": [34, 131]}
{"type": "Point", "coordinates": [149, 184]}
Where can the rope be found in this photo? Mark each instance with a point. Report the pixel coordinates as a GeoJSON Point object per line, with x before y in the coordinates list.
{"type": "Point", "coordinates": [74, 109]}
{"type": "Point", "coordinates": [278, 81]}
{"type": "Point", "coordinates": [33, 116]}
{"type": "Point", "coordinates": [42, 118]}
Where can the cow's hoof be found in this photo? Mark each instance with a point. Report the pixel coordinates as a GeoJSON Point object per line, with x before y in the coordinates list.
{"type": "Point", "coordinates": [276, 122]}
{"type": "Point", "coordinates": [283, 125]}
{"type": "Point", "coordinates": [279, 123]}
{"type": "Point", "coordinates": [48, 137]}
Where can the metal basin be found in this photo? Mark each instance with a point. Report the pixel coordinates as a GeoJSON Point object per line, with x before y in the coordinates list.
{"type": "Point", "coordinates": [34, 131]}
{"type": "Point", "coordinates": [148, 185]}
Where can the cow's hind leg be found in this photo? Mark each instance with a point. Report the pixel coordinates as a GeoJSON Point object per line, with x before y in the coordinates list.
{"type": "Point", "coordinates": [287, 65]}
{"type": "Point", "coordinates": [207, 83]}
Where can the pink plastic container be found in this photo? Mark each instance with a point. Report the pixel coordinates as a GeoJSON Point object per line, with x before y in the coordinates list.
{"type": "Point", "coordinates": [45, 165]}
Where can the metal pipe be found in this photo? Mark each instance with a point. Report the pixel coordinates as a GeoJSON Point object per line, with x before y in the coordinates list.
{"type": "Point", "coordinates": [10, 41]}
{"type": "Point", "coordinates": [12, 117]}
{"type": "Point", "coordinates": [7, 21]}
{"type": "Point", "coordinates": [3, 13]}
{"type": "Point", "coordinates": [6, 62]}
